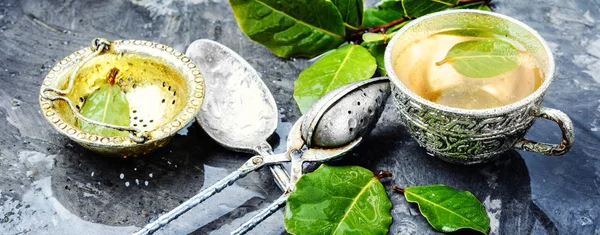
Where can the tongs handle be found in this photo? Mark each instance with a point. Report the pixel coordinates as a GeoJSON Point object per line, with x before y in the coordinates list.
{"type": "Point", "coordinates": [192, 202]}
{"type": "Point", "coordinates": [252, 164]}
{"type": "Point", "coordinates": [296, 158]}
{"type": "Point", "coordinates": [261, 216]}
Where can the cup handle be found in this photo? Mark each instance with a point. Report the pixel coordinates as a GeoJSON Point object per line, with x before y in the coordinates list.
{"type": "Point", "coordinates": [565, 125]}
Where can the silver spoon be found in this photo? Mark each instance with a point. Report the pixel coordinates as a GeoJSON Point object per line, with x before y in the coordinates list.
{"type": "Point", "coordinates": [238, 112]}
{"type": "Point", "coordinates": [333, 125]}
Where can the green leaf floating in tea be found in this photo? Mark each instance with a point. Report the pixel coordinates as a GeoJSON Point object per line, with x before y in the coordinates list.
{"type": "Point", "coordinates": [338, 200]}
{"type": "Point", "coordinates": [474, 32]}
{"type": "Point", "coordinates": [346, 64]}
{"type": "Point", "coordinates": [291, 28]}
{"type": "Point", "coordinates": [483, 58]}
{"type": "Point", "coordinates": [107, 105]}
{"type": "Point", "coordinates": [448, 209]}
{"type": "Point", "coordinates": [352, 12]}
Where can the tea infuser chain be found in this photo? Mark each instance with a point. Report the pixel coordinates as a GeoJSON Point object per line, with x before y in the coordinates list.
{"type": "Point", "coordinates": [99, 45]}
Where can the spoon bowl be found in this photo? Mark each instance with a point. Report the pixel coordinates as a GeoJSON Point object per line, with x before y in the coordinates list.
{"type": "Point", "coordinates": [238, 111]}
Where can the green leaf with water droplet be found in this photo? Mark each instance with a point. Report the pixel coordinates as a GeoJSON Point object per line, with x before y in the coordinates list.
{"type": "Point", "coordinates": [351, 11]}
{"type": "Point", "coordinates": [300, 28]}
{"type": "Point", "coordinates": [338, 200]}
{"type": "Point", "coordinates": [344, 65]}
{"type": "Point", "coordinates": [448, 209]}
{"type": "Point", "coordinates": [482, 58]}
{"type": "Point", "coordinates": [107, 105]}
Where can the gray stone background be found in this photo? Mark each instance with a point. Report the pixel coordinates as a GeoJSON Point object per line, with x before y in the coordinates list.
{"type": "Point", "coordinates": [49, 185]}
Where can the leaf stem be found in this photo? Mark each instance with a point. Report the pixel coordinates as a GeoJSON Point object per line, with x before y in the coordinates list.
{"type": "Point", "coordinates": [383, 27]}
{"type": "Point", "coordinates": [112, 75]}
{"type": "Point", "coordinates": [439, 63]}
{"type": "Point", "coordinates": [398, 189]}
{"type": "Point", "coordinates": [357, 36]}
{"type": "Point", "coordinates": [383, 174]}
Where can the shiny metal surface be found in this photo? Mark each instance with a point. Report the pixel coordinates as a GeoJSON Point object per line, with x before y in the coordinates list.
{"type": "Point", "coordinates": [361, 101]}
{"type": "Point", "coordinates": [154, 121]}
{"type": "Point", "coordinates": [523, 192]}
{"type": "Point", "coordinates": [239, 112]}
{"type": "Point", "coordinates": [345, 113]}
{"type": "Point", "coordinates": [474, 136]}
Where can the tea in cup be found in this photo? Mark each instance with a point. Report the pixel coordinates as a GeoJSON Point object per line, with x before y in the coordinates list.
{"type": "Point", "coordinates": [469, 84]}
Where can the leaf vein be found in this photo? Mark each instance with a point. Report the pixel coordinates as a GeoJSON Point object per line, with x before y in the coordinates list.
{"type": "Point", "coordinates": [335, 76]}
{"type": "Point", "coordinates": [363, 190]}
{"type": "Point", "coordinates": [444, 208]}
{"type": "Point", "coordinates": [300, 21]}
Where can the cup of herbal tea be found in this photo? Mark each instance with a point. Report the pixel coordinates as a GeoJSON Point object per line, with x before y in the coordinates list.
{"type": "Point", "coordinates": [469, 84]}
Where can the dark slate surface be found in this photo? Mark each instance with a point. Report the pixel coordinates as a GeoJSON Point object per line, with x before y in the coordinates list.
{"type": "Point", "coordinates": [49, 185]}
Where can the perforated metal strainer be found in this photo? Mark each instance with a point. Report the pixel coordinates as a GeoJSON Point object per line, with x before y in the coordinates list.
{"type": "Point", "coordinates": [164, 89]}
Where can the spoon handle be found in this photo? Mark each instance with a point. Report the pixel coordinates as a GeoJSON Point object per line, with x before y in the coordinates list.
{"type": "Point", "coordinates": [261, 216]}
{"type": "Point", "coordinates": [192, 202]}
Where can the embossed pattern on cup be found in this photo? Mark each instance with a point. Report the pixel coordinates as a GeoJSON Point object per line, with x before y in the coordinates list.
{"type": "Point", "coordinates": [462, 138]}
{"type": "Point", "coordinates": [473, 136]}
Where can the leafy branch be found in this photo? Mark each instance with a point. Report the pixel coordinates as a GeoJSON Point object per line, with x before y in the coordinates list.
{"type": "Point", "coordinates": [308, 28]}
{"type": "Point", "coordinates": [461, 4]}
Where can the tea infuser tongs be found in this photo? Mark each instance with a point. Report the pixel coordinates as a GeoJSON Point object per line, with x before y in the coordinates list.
{"type": "Point", "coordinates": [251, 165]}
{"type": "Point", "coordinates": [328, 136]}
{"type": "Point", "coordinates": [334, 125]}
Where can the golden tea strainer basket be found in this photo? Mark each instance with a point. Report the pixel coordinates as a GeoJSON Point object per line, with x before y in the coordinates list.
{"type": "Point", "coordinates": [163, 87]}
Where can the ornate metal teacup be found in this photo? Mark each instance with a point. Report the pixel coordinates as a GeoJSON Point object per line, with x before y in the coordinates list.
{"type": "Point", "coordinates": [470, 136]}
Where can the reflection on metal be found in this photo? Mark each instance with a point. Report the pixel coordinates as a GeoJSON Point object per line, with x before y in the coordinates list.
{"type": "Point", "coordinates": [467, 136]}
{"type": "Point", "coordinates": [314, 129]}
{"type": "Point", "coordinates": [159, 105]}
{"type": "Point", "coordinates": [239, 113]}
